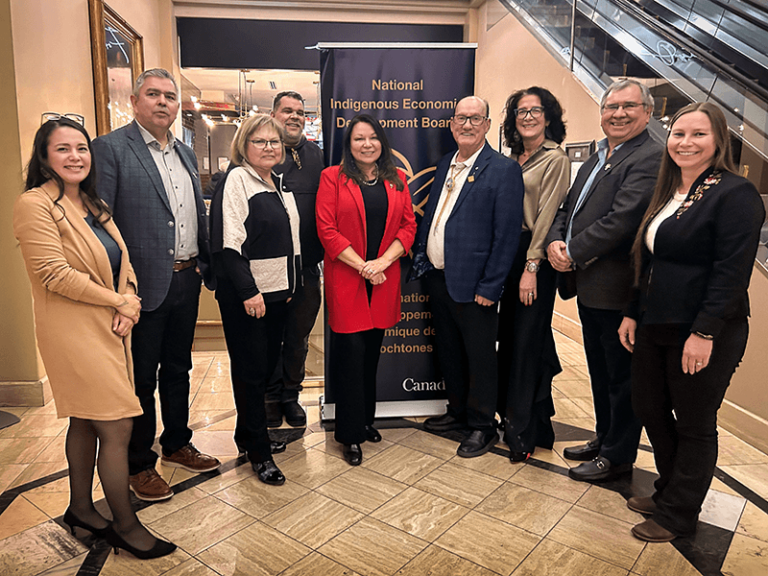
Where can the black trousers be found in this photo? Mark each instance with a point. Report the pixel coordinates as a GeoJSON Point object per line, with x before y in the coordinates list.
{"type": "Point", "coordinates": [679, 412]}
{"type": "Point", "coordinates": [352, 365]}
{"type": "Point", "coordinates": [465, 343]}
{"type": "Point", "coordinates": [162, 358]}
{"type": "Point", "coordinates": [609, 363]}
{"type": "Point", "coordinates": [285, 383]}
{"type": "Point", "coordinates": [527, 358]}
{"type": "Point", "coordinates": [254, 347]}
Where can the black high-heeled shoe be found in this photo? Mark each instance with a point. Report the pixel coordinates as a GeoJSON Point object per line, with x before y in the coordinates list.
{"type": "Point", "coordinates": [73, 521]}
{"type": "Point", "coordinates": [160, 549]}
{"type": "Point", "coordinates": [519, 456]}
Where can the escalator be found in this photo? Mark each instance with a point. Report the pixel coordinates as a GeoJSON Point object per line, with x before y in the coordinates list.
{"type": "Point", "coordinates": [683, 50]}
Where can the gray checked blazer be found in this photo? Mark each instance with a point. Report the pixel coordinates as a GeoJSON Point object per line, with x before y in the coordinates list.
{"type": "Point", "coordinates": [129, 182]}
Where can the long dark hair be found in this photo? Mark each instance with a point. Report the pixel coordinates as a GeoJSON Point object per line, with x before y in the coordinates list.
{"type": "Point", "coordinates": [39, 170]}
{"type": "Point", "coordinates": [553, 113]}
{"type": "Point", "coordinates": [385, 165]}
{"type": "Point", "coordinates": [670, 178]}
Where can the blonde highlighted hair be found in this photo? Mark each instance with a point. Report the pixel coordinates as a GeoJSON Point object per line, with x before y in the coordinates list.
{"type": "Point", "coordinates": [239, 152]}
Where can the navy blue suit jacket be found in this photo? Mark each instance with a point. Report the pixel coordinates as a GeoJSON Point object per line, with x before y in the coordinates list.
{"type": "Point", "coordinates": [128, 180]}
{"type": "Point", "coordinates": [483, 229]}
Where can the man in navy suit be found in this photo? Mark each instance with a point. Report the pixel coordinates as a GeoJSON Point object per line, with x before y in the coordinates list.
{"type": "Point", "coordinates": [151, 183]}
{"type": "Point", "coordinates": [589, 242]}
{"type": "Point", "coordinates": [464, 248]}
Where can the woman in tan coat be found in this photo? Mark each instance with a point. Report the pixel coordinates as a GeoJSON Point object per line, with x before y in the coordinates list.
{"type": "Point", "coordinates": [85, 303]}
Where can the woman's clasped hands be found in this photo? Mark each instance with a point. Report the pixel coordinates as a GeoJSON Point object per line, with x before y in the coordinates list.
{"type": "Point", "coordinates": [373, 270]}
{"type": "Point", "coordinates": [126, 315]}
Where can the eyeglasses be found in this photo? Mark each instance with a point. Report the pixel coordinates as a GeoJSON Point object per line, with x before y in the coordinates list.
{"type": "Point", "coordinates": [48, 116]}
{"type": "Point", "coordinates": [474, 120]}
{"type": "Point", "coordinates": [262, 144]}
{"type": "Point", "coordinates": [535, 112]}
{"type": "Point", "coordinates": [627, 106]}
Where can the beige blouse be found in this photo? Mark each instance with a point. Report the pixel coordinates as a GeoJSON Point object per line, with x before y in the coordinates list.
{"type": "Point", "coordinates": [547, 177]}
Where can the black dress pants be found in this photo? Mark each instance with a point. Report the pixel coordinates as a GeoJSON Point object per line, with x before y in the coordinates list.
{"type": "Point", "coordinates": [162, 358]}
{"type": "Point", "coordinates": [352, 365]}
{"type": "Point", "coordinates": [465, 343]}
{"type": "Point", "coordinates": [679, 412]}
{"type": "Point", "coordinates": [285, 383]}
{"type": "Point", "coordinates": [254, 347]}
{"type": "Point", "coordinates": [527, 358]}
{"type": "Point", "coordinates": [609, 363]}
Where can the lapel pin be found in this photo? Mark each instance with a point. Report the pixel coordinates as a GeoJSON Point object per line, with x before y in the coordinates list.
{"type": "Point", "coordinates": [607, 167]}
{"type": "Point", "coordinates": [471, 179]}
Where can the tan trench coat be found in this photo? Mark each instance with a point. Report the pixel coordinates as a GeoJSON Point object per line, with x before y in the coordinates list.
{"type": "Point", "coordinates": [88, 365]}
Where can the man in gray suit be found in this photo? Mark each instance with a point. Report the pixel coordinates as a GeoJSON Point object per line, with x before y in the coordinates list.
{"type": "Point", "coordinates": [590, 242]}
{"type": "Point", "coordinates": [151, 183]}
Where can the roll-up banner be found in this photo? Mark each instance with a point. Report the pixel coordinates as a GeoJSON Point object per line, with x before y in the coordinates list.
{"type": "Point", "coordinates": [412, 90]}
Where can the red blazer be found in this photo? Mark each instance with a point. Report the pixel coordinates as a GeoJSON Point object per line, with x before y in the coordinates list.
{"type": "Point", "coordinates": [341, 223]}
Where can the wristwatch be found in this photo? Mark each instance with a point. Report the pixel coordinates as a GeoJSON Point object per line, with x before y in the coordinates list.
{"type": "Point", "coordinates": [532, 267]}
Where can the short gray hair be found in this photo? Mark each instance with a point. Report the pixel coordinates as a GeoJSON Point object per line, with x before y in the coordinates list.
{"type": "Point", "coordinates": [157, 73]}
{"type": "Point", "coordinates": [626, 83]}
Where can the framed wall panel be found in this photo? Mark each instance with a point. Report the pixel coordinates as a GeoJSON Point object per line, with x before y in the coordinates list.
{"type": "Point", "coordinates": [118, 59]}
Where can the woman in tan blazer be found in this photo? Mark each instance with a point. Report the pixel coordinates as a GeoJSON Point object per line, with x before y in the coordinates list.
{"type": "Point", "coordinates": [85, 304]}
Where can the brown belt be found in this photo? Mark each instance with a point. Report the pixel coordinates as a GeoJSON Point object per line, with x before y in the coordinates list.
{"type": "Point", "coordinates": [180, 265]}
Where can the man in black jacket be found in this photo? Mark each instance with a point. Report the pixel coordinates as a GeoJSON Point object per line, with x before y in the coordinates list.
{"type": "Point", "coordinates": [590, 242]}
{"type": "Point", "coordinates": [301, 175]}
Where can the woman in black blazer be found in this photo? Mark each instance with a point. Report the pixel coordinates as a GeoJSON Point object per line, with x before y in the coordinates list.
{"type": "Point", "coordinates": [687, 329]}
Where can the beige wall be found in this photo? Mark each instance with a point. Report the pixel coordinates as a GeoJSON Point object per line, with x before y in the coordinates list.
{"type": "Point", "coordinates": [17, 333]}
{"type": "Point", "coordinates": [746, 409]}
{"type": "Point", "coordinates": [371, 11]}
{"type": "Point", "coordinates": [510, 58]}
{"type": "Point", "coordinates": [52, 53]}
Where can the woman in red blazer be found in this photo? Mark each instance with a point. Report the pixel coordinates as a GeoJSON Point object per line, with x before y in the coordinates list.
{"type": "Point", "coordinates": [365, 222]}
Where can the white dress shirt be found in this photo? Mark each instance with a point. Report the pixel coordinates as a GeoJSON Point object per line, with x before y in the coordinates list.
{"type": "Point", "coordinates": [448, 198]}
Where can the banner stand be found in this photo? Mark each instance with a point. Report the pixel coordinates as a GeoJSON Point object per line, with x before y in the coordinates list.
{"type": "Point", "coordinates": [397, 409]}
{"type": "Point", "coordinates": [412, 90]}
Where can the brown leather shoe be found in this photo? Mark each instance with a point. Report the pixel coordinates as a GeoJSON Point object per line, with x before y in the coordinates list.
{"type": "Point", "coordinates": [642, 504]}
{"type": "Point", "coordinates": [149, 486]}
{"type": "Point", "coordinates": [190, 458]}
{"type": "Point", "coordinates": [649, 531]}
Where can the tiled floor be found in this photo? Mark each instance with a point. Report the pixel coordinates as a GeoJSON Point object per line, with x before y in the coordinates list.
{"type": "Point", "coordinates": [413, 508]}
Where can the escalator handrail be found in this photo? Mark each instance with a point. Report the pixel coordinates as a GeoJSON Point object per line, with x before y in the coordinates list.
{"type": "Point", "coordinates": [670, 31]}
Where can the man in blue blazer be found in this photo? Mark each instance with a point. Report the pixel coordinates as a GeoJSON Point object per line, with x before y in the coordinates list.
{"type": "Point", "coordinates": [590, 242]}
{"type": "Point", "coordinates": [464, 248]}
{"type": "Point", "coordinates": [151, 183]}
